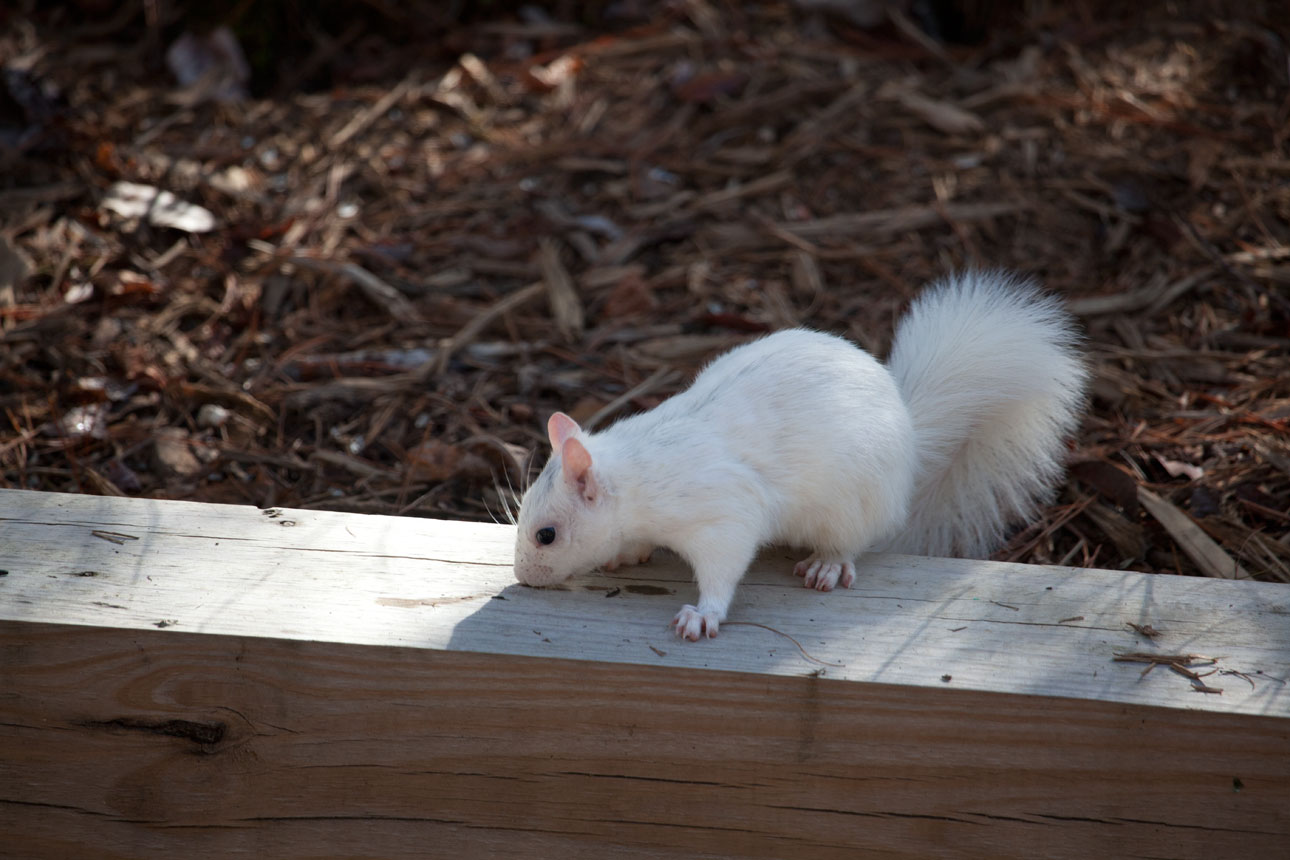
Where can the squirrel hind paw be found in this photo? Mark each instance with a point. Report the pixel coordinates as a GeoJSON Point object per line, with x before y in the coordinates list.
{"type": "Point", "coordinates": [692, 624]}
{"type": "Point", "coordinates": [631, 555]}
{"type": "Point", "coordinates": [824, 574]}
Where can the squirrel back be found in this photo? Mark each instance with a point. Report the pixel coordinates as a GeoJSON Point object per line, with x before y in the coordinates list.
{"type": "Point", "coordinates": [989, 369]}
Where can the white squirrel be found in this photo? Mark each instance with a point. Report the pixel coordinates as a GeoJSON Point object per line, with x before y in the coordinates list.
{"type": "Point", "coordinates": [803, 439]}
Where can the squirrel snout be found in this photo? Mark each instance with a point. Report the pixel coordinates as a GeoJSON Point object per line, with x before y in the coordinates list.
{"type": "Point", "coordinates": [536, 574]}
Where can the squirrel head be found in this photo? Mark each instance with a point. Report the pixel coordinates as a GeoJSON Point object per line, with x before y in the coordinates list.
{"type": "Point", "coordinates": [567, 519]}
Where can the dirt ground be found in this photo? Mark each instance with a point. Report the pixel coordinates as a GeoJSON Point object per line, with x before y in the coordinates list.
{"type": "Point", "coordinates": [394, 247]}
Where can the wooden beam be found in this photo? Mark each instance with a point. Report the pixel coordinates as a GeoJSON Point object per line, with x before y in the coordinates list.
{"type": "Point", "coordinates": [209, 681]}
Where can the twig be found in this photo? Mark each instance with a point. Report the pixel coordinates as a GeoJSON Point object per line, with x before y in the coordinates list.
{"type": "Point", "coordinates": [1179, 663]}
{"type": "Point", "coordinates": [381, 293]}
{"type": "Point", "coordinates": [881, 222]}
{"type": "Point", "coordinates": [437, 365]}
{"type": "Point", "coordinates": [654, 380]}
{"type": "Point", "coordinates": [1211, 558]}
{"type": "Point", "coordinates": [367, 117]}
{"type": "Point", "coordinates": [115, 537]}
{"type": "Point", "coordinates": [915, 34]}
{"type": "Point", "coordinates": [790, 639]}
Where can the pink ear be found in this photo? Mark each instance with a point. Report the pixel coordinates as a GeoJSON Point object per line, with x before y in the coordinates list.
{"type": "Point", "coordinates": [560, 427]}
{"type": "Point", "coordinates": [575, 461]}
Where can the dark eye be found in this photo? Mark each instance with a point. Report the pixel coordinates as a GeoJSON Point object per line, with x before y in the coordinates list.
{"type": "Point", "coordinates": [546, 535]}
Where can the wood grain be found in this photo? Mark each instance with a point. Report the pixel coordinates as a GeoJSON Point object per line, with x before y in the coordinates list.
{"type": "Point", "coordinates": [184, 680]}
{"type": "Point", "coordinates": [372, 580]}
{"type": "Point", "coordinates": [132, 744]}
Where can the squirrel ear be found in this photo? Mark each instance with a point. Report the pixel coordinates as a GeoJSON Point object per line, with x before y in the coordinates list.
{"type": "Point", "coordinates": [575, 462]}
{"type": "Point", "coordinates": [560, 427]}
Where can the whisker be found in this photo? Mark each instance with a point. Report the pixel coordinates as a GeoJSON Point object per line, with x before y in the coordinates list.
{"type": "Point", "coordinates": [491, 515]}
{"type": "Point", "coordinates": [501, 500]}
{"type": "Point", "coordinates": [507, 508]}
{"type": "Point", "coordinates": [509, 499]}
{"type": "Point", "coordinates": [529, 460]}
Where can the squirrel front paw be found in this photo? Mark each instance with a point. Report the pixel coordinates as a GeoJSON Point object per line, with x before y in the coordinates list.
{"type": "Point", "coordinates": [823, 574]}
{"type": "Point", "coordinates": [691, 624]}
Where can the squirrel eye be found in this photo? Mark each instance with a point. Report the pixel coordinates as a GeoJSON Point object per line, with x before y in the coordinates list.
{"type": "Point", "coordinates": [546, 536]}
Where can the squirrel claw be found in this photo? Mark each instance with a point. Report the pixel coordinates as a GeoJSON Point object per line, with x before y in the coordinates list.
{"type": "Point", "coordinates": [692, 624]}
{"type": "Point", "coordinates": [823, 574]}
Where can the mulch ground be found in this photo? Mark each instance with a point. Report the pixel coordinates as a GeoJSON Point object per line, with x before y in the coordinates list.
{"type": "Point", "coordinates": [367, 296]}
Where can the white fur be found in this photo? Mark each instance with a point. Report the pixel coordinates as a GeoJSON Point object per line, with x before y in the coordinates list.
{"type": "Point", "coordinates": [801, 438]}
{"type": "Point", "coordinates": [990, 372]}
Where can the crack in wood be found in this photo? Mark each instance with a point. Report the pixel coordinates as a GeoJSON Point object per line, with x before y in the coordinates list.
{"type": "Point", "coordinates": [948, 819]}
{"type": "Point", "coordinates": [203, 734]}
{"type": "Point", "coordinates": [633, 778]}
{"type": "Point", "coordinates": [1181, 825]}
{"type": "Point", "coordinates": [37, 805]}
{"type": "Point", "coordinates": [362, 817]}
{"type": "Point", "coordinates": [1153, 822]}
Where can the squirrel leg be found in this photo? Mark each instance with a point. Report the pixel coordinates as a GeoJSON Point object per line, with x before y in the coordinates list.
{"type": "Point", "coordinates": [824, 571]}
{"type": "Point", "coordinates": [719, 558]}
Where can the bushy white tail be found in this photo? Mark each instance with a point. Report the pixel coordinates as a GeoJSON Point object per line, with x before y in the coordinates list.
{"type": "Point", "coordinates": [990, 370]}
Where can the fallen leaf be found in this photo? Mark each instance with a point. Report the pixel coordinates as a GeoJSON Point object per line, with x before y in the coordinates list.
{"type": "Point", "coordinates": [1110, 482]}
{"type": "Point", "coordinates": [1202, 155]}
{"type": "Point", "coordinates": [89, 420]}
{"type": "Point", "coordinates": [733, 322]}
{"type": "Point", "coordinates": [702, 89]}
{"type": "Point", "coordinates": [132, 200]}
{"type": "Point", "coordinates": [123, 477]}
{"type": "Point", "coordinates": [15, 267]}
{"type": "Point", "coordinates": [584, 408]}
{"type": "Point", "coordinates": [632, 295]}
{"type": "Point", "coordinates": [210, 66]}
{"type": "Point", "coordinates": [548, 77]}
{"type": "Point", "coordinates": [172, 456]}
{"type": "Point", "coordinates": [434, 460]}
{"type": "Point", "coordinates": [1176, 468]}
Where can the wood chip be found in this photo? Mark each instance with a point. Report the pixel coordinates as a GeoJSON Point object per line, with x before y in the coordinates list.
{"type": "Point", "coordinates": [940, 115]}
{"type": "Point", "coordinates": [566, 306]}
{"type": "Point", "coordinates": [1212, 559]}
{"type": "Point", "coordinates": [868, 225]}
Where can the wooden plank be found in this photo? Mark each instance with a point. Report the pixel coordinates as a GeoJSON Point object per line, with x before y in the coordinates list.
{"type": "Point", "coordinates": [375, 580]}
{"type": "Point", "coordinates": [210, 681]}
{"type": "Point", "coordinates": [154, 744]}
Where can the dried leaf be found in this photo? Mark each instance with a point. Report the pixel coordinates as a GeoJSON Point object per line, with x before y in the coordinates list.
{"type": "Point", "coordinates": [209, 66]}
{"type": "Point", "coordinates": [88, 421]}
{"type": "Point", "coordinates": [173, 457]}
{"type": "Point", "coordinates": [631, 296]}
{"type": "Point", "coordinates": [708, 87]}
{"type": "Point", "coordinates": [132, 200]}
{"type": "Point", "coordinates": [14, 265]}
{"type": "Point", "coordinates": [1176, 468]}
{"type": "Point", "coordinates": [1110, 481]}
{"type": "Point", "coordinates": [435, 460]}
{"type": "Point", "coordinates": [566, 306]}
